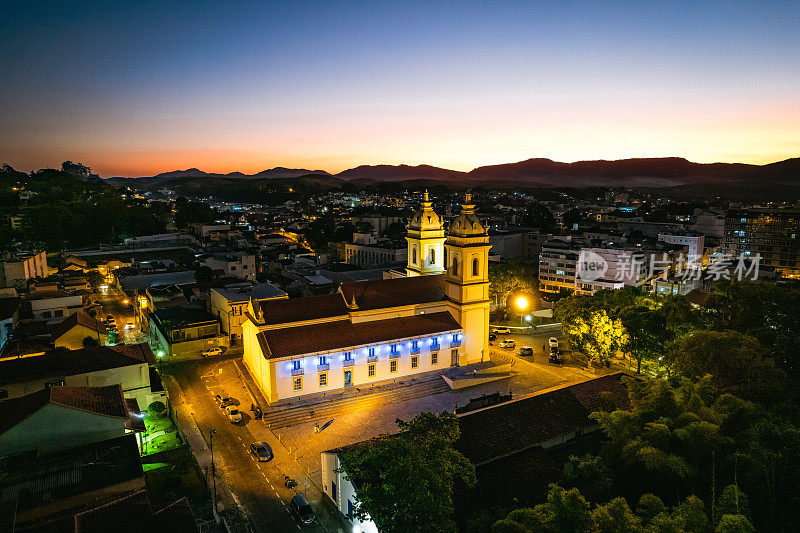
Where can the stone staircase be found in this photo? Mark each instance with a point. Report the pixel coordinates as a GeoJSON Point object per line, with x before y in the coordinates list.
{"type": "Point", "coordinates": [323, 408]}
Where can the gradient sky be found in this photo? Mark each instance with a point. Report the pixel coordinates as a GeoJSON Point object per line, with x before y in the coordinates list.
{"type": "Point", "coordinates": [136, 88]}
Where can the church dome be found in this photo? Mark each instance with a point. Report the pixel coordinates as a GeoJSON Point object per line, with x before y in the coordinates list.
{"type": "Point", "coordinates": [467, 224]}
{"type": "Point", "coordinates": [426, 218]}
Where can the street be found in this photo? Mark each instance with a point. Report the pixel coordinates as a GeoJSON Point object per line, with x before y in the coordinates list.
{"type": "Point", "coordinates": [257, 488]}
{"type": "Point", "coordinates": [113, 302]}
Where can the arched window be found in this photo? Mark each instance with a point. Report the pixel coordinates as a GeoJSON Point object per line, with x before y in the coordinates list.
{"type": "Point", "coordinates": [475, 267]}
{"type": "Point", "coordinates": [413, 255]}
{"type": "Point", "coordinates": [455, 266]}
{"type": "Point", "coordinates": [432, 256]}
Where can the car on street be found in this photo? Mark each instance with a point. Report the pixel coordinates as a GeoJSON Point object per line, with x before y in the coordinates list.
{"type": "Point", "coordinates": [553, 342]}
{"type": "Point", "coordinates": [223, 401]}
{"type": "Point", "coordinates": [526, 351]}
{"type": "Point", "coordinates": [234, 415]}
{"type": "Point", "coordinates": [501, 331]}
{"type": "Point", "coordinates": [211, 352]}
{"type": "Point", "coordinates": [261, 451]}
{"type": "Point", "coordinates": [554, 358]}
{"type": "Point", "coordinates": [508, 343]}
{"type": "Point", "coordinates": [129, 325]}
{"type": "Point", "coordinates": [301, 510]}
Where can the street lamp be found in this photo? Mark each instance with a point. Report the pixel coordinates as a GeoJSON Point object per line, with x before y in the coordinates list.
{"type": "Point", "coordinates": [213, 467]}
{"type": "Point", "coordinates": [522, 303]}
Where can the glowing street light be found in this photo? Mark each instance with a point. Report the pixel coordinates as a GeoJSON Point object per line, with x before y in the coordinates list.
{"type": "Point", "coordinates": [522, 303]}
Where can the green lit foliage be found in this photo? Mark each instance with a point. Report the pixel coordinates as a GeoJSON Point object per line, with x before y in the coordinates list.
{"type": "Point", "coordinates": [595, 334]}
{"type": "Point", "coordinates": [405, 482]}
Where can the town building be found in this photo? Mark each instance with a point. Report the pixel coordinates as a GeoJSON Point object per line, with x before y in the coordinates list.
{"type": "Point", "coordinates": [374, 254]}
{"type": "Point", "coordinates": [183, 332]}
{"type": "Point", "coordinates": [558, 261]}
{"type": "Point", "coordinates": [773, 234]}
{"type": "Point", "coordinates": [128, 365]}
{"type": "Point", "coordinates": [693, 240]}
{"type": "Point", "coordinates": [60, 417]}
{"type": "Point", "coordinates": [9, 318]}
{"type": "Point", "coordinates": [229, 305]}
{"type": "Point", "coordinates": [17, 270]}
{"type": "Point", "coordinates": [54, 305]}
{"type": "Point", "coordinates": [238, 264]}
{"type": "Point", "coordinates": [373, 331]}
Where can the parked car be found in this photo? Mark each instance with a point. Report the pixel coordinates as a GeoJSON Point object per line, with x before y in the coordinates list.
{"type": "Point", "coordinates": [508, 343]}
{"type": "Point", "coordinates": [301, 510]}
{"type": "Point", "coordinates": [526, 351]}
{"type": "Point", "coordinates": [211, 352]}
{"type": "Point", "coordinates": [129, 325]}
{"type": "Point", "coordinates": [554, 358]}
{"type": "Point", "coordinates": [234, 415]}
{"type": "Point", "coordinates": [492, 336]}
{"type": "Point", "coordinates": [223, 401]}
{"type": "Point", "coordinates": [502, 331]}
{"type": "Point", "coordinates": [261, 451]}
{"type": "Point", "coordinates": [553, 342]}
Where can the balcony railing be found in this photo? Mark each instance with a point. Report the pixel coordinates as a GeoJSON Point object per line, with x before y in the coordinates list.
{"type": "Point", "coordinates": [323, 368]}
{"type": "Point", "coordinates": [455, 344]}
{"type": "Point", "coordinates": [395, 355]}
{"type": "Point", "coordinates": [372, 359]}
{"type": "Point", "coordinates": [349, 362]}
{"type": "Point", "coordinates": [415, 351]}
{"type": "Point", "coordinates": [298, 372]}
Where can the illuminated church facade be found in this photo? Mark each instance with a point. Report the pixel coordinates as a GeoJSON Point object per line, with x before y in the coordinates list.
{"type": "Point", "coordinates": [376, 331]}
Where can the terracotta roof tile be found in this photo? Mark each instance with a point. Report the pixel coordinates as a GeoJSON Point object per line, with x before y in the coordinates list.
{"type": "Point", "coordinates": [76, 319]}
{"type": "Point", "coordinates": [341, 334]}
{"type": "Point", "coordinates": [515, 426]}
{"type": "Point", "coordinates": [301, 309]}
{"type": "Point", "coordinates": [106, 401]}
{"type": "Point", "coordinates": [383, 293]}
{"type": "Point", "coordinates": [60, 363]}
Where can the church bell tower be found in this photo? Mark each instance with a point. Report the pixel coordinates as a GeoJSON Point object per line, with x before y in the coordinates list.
{"type": "Point", "coordinates": [467, 280]}
{"type": "Point", "coordinates": [425, 241]}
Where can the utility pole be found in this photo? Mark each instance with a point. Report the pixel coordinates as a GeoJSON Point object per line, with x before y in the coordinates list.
{"type": "Point", "coordinates": [213, 467]}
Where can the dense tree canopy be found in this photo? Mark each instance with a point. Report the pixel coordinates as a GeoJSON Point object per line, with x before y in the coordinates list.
{"type": "Point", "coordinates": [405, 481]}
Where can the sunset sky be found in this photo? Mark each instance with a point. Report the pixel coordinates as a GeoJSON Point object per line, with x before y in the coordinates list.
{"type": "Point", "coordinates": [137, 88]}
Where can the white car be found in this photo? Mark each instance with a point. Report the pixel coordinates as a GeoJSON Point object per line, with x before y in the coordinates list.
{"type": "Point", "coordinates": [508, 343]}
{"type": "Point", "coordinates": [129, 325]}
{"type": "Point", "coordinates": [211, 352]}
{"type": "Point", "coordinates": [503, 331]}
{"type": "Point", "coordinates": [553, 342]}
{"type": "Point", "coordinates": [234, 415]}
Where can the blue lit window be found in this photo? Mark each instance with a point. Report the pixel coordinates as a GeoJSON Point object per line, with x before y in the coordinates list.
{"type": "Point", "coordinates": [322, 360]}
{"type": "Point", "coordinates": [372, 352]}
{"type": "Point", "coordinates": [435, 343]}
{"type": "Point", "coordinates": [296, 365]}
{"type": "Point", "coordinates": [348, 356]}
{"type": "Point", "coordinates": [559, 272]}
{"type": "Point", "coordinates": [415, 345]}
{"type": "Point", "coordinates": [455, 337]}
{"type": "Point", "coordinates": [394, 349]}
{"type": "Point", "coordinates": [743, 220]}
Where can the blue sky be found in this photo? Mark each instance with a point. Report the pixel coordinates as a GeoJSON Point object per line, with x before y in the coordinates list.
{"type": "Point", "coordinates": [135, 88]}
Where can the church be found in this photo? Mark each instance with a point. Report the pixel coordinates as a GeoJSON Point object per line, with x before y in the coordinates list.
{"type": "Point", "coordinates": [376, 331]}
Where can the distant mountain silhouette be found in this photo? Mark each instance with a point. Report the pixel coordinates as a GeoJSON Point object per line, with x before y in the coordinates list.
{"type": "Point", "coordinates": [642, 172]}
{"type": "Point", "coordinates": [399, 172]}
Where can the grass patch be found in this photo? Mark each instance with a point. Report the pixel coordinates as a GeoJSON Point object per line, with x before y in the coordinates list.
{"type": "Point", "coordinates": [177, 479]}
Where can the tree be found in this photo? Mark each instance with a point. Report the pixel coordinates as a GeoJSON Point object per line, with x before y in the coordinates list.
{"type": "Point", "coordinates": [647, 334]}
{"type": "Point", "coordinates": [89, 342]}
{"type": "Point", "coordinates": [615, 517]}
{"type": "Point", "coordinates": [505, 278]}
{"type": "Point", "coordinates": [565, 511]}
{"type": "Point", "coordinates": [590, 475]}
{"type": "Point", "coordinates": [734, 523]}
{"type": "Point", "coordinates": [597, 335]}
{"type": "Point", "coordinates": [735, 361]}
{"type": "Point", "coordinates": [405, 481]}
